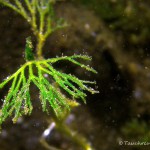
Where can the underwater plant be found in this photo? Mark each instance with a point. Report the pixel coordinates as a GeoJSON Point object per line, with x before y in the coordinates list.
{"type": "Point", "coordinates": [37, 70]}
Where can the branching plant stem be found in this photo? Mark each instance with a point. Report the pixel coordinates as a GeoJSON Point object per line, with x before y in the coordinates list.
{"type": "Point", "coordinates": [50, 82]}
{"type": "Point", "coordinates": [41, 27]}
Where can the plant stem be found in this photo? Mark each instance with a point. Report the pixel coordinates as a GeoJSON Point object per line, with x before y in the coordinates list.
{"type": "Point", "coordinates": [39, 46]}
{"type": "Point", "coordinates": [75, 137]}
{"type": "Point", "coordinates": [41, 28]}
{"type": "Point", "coordinates": [46, 145]}
{"type": "Point", "coordinates": [60, 125]}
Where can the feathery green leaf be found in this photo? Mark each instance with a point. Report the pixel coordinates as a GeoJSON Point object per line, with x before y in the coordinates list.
{"type": "Point", "coordinates": [18, 100]}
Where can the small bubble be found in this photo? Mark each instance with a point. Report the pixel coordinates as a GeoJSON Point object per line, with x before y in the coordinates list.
{"type": "Point", "coordinates": [7, 77]}
{"type": "Point", "coordinates": [45, 75]}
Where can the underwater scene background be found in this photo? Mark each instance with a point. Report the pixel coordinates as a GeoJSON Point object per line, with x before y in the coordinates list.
{"type": "Point", "coordinates": [116, 33]}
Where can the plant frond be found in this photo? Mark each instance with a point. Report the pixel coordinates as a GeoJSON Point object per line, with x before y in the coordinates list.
{"type": "Point", "coordinates": [30, 9]}
{"type": "Point", "coordinates": [18, 102]}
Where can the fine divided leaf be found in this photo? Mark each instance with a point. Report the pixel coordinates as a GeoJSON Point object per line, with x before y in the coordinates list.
{"type": "Point", "coordinates": [17, 102]}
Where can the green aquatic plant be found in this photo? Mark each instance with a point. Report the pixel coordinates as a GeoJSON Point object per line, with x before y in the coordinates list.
{"type": "Point", "coordinates": [18, 97]}
{"type": "Point", "coordinates": [58, 91]}
{"type": "Point", "coordinates": [40, 16]}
